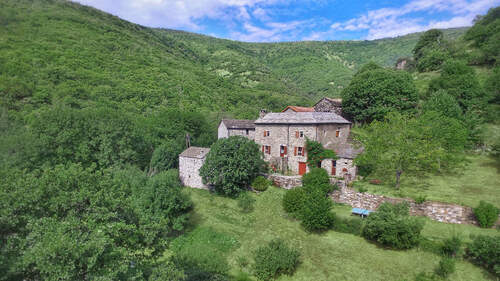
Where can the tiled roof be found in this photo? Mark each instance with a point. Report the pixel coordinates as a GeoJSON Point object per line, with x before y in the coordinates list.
{"type": "Point", "coordinates": [302, 118]}
{"type": "Point", "coordinates": [238, 124]}
{"type": "Point", "coordinates": [195, 152]}
{"type": "Point", "coordinates": [299, 108]}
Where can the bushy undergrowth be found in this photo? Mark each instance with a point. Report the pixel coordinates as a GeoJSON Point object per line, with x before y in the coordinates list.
{"type": "Point", "coordinates": [392, 226]}
{"type": "Point", "coordinates": [294, 200]}
{"type": "Point", "coordinates": [317, 178]}
{"type": "Point", "coordinates": [452, 247]}
{"type": "Point", "coordinates": [445, 268]}
{"type": "Point", "coordinates": [245, 202]}
{"type": "Point", "coordinates": [485, 251]}
{"type": "Point", "coordinates": [352, 225]}
{"type": "Point", "coordinates": [486, 214]}
{"type": "Point", "coordinates": [260, 183]}
{"type": "Point", "coordinates": [274, 259]}
{"type": "Point", "coordinates": [315, 213]}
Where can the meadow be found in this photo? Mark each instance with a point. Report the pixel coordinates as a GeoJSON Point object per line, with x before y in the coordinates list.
{"type": "Point", "coordinates": [222, 234]}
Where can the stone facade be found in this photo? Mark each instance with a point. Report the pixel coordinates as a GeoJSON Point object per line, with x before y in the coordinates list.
{"type": "Point", "coordinates": [329, 105]}
{"type": "Point", "coordinates": [344, 168]}
{"type": "Point", "coordinates": [190, 162]}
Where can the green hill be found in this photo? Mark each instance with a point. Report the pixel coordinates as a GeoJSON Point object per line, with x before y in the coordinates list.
{"type": "Point", "coordinates": [59, 52]}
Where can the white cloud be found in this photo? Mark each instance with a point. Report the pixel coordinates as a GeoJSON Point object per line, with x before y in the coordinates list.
{"type": "Point", "coordinates": [272, 31]}
{"type": "Point", "coordinates": [391, 22]}
{"type": "Point", "coordinates": [175, 13]}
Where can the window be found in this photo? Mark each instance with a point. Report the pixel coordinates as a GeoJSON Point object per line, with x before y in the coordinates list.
{"type": "Point", "coordinates": [299, 151]}
{"type": "Point", "coordinates": [266, 149]}
{"type": "Point", "coordinates": [301, 134]}
{"type": "Point", "coordinates": [337, 133]}
{"type": "Point", "coordinates": [283, 151]}
{"type": "Point", "coordinates": [267, 133]}
{"type": "Point", "coordinates": [246, 131]}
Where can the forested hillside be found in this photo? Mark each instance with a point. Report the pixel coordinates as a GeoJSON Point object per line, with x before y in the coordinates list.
{"type": "Point", "coordinates": [61, 52]}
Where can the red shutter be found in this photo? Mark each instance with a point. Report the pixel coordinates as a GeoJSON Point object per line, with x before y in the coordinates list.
{"type": "Point", "coordinates": [284, 151]}
{"type": "Point", "coordinates": [295, 151]}
{"type": "Point", "coordinates": [262, 149]}
{"type": "Point", "coordinates": [269, 149]}
{"type": "Point", "coordinates": [297, 134]}
{"type": "Point", "coordinates": [264, 133]}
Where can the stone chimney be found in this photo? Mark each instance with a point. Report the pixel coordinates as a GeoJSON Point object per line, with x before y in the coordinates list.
{"type": "Point", "coordinates": [262, 113]}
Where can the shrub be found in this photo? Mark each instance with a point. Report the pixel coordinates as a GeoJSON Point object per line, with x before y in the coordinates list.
{"type": "Point", "coordinates": [485, 251]}
{"type": "Point", "coordinates": [316, 212]}
{"type": "Point", "coordinates": [420, 199]}
{"type": "Point", "coordinates": [274, 259]}
{"type": "Point", "coordinates": [451, 247]}
{"type": "Point", "coordinates": [348, 225]}
{"type": "Point", "coordinates": [245, 202]}
{"type": "Point", "coordinates": [316, 177]}
{"type": "Point", "coordinates": [260, 183]}
{"type": "Point", "coordinates": [317, 153]}
{"type": "Point", "coordinates": [232, 164]}
{"type": "Point", "coordinates": [294, 200]}
{"type": "Point", "coordinates": [486, 214]}
{"type": "Point", "coordinates": [392, 226]}
{"type": "Point", "coordinates": [423, 276]}
{"type": "Point", "coordinates": [445, 268]}
{"type": "Point", "coordinates": [362, 189]}
{"type": "Point", "coordinates": [165, 156]}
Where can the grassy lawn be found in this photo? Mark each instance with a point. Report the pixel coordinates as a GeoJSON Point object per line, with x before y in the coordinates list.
{"type": "Point", "coordinates": [479, 180]}
{"type": "Point", "coordinates": [221, 231]}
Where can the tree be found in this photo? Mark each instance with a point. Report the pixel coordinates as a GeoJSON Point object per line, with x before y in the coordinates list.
{"type": "Point", "coordinates": [317, 153]}
{"type": "Point", "coordinates": [165, 157]}
{"type": "Point", "coordinates": [485, 35]}
{"type": "Point", "coordinates": [430, 51]}
{"type": "Point", "coordinates": [373, 93]}
{"type": "Point", "coordinates": [402, 144]}
{"type": "Point", "coordinates": [232, 164]}
{"type": "Point", "coordinates": [391, 225]}
{"type": "Point", "coordinates": [460, 81]}
{"type": "Point", "coordinates": [443, 103]}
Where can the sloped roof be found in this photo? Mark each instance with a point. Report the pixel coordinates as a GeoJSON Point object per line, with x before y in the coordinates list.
{"type": "Point", "coordinates": [347, 150]}
{"type": "Point", "coordinates": [195, 152]}
{"type": "Point", "coordinates": [337, 102]}
{"type": "Point", "coordinates": [302, 118]}
{"type": "Point", "coordinates": [238, 124]}
{"type": "Point", "coordinates": [299, 108]}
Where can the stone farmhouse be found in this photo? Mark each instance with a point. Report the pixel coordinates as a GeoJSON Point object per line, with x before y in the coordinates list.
{"type": "Point", "coordinates": [282, 137]}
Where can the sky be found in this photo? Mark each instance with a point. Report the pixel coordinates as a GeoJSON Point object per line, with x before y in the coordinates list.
{"type": "Point", "coordinates": [295, 20]}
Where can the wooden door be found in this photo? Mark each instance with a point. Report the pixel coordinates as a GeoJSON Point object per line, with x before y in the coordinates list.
{"type": "Point", "coordinates": [302, 168]}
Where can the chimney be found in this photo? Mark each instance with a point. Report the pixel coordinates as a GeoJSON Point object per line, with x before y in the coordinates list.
{"type": "Point", "coordinates": [262, 113]}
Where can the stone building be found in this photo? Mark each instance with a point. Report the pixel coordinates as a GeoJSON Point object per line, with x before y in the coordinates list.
{"type": "Point", "coordinates": [190, 162]}
{"type": "Point", "coordinates": [329, 105]}
{"type": "Point", "coordinates": [282, 137]}
{"type": "Point", "coordinates": [231, 127]}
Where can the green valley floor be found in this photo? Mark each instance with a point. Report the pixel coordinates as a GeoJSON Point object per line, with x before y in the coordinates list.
{"type": "Point", "coordinates": [221, 232]}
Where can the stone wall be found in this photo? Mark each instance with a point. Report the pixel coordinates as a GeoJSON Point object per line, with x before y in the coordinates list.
{"type": "Point", "coordinates": [189, 172]}
{"type": "Point", "coordinates": [442, 212]}
{"type": "Point", "coordinates": [289, 182]}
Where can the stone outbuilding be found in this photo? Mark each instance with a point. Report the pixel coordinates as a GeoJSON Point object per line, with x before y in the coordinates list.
{"type": "Point", "coordinates": [190, 162]}
{"type": "Point", "coordinates": [232, 127]}
{"type": "Point", "coordinates": [329, 105]}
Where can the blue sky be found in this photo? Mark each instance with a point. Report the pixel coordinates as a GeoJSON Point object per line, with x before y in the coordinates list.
{"type": "Point", "coordinates": [294, 20]}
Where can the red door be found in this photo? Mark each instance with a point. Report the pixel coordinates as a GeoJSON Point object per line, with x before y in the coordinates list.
{"type": "Point", "coordinates": [302, 168]}
{"type": "Point", "coordinates": [334, 167]}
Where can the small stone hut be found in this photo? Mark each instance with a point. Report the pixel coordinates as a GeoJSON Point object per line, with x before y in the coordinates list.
{"type": "Point", "coordinates": [329, 105]}
{"type": "Point", "coordinates": [190, 162]}
{"type": "Point", "coordinates": [232, 127]}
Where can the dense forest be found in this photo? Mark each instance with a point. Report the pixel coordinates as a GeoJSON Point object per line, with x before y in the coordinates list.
{"type": "Point", "coordinates": [94, 111]}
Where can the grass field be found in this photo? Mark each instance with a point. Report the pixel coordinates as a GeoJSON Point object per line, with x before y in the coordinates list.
{"type": "Point", "coordinates": [478, 180]}
{"type": "Point", "coordinates": [221, 232]}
